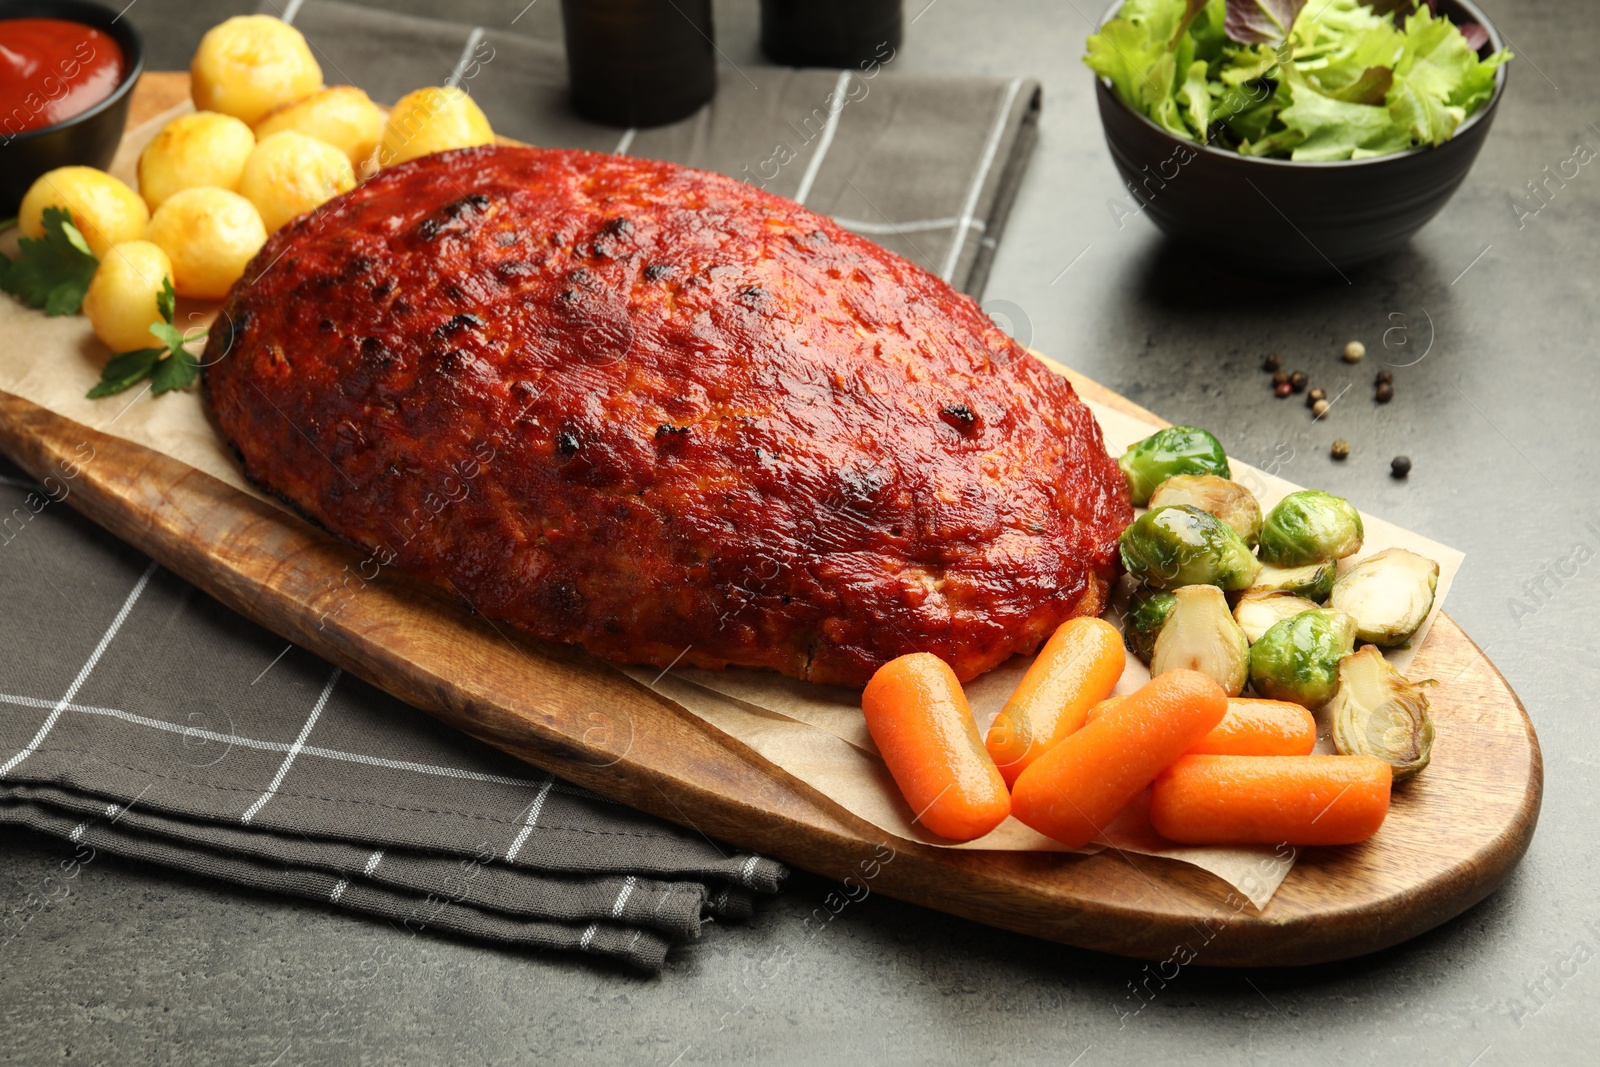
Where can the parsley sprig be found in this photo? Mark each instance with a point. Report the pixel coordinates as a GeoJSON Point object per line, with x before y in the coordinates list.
{"type": "Point", "coordinates": [170, 366]}
{"type": "Point", "coordinates": [53, 271]}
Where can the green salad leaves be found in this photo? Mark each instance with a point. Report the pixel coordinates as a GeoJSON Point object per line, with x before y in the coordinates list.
{"type": "Point", "coordinates": [1292, 79]}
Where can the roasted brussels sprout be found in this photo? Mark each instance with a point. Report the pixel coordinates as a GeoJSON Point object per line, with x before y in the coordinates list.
{"type": "Point", "coordinates": [1228, 501]}
{"type": "Point", "coordinates": [1314, 581]}
{"type": "Point", "coordinates": [1200, 635]}
{"type": "Point", "coordinates": [1388, 594]}
{"type": "Point", "coordinates": [1310, 527]}
{"type": "Point", "coordinates": [1146, 615]}
{"type": "Point", "coordinates": [1378, 712]}
{"type": "Point", "coordinates": [1165, 453]}
{"type": "Point", "coordinates": [1256, 613]}
{"type": "Point", "coordinates": [1171, 547]}
{"type": "Point", "coordinates": [1298, 659]}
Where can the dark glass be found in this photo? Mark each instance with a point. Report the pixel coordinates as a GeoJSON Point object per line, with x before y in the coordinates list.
{"type": "Point", "coordinates": [639, 62]}
{"type": "Point", "coordinates": [830, 33]}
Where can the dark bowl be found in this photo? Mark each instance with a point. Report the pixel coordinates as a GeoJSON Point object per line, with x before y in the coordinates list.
{"type": "Point", "coordinates": [88, 139]}
{"type": "Point", "coordinates": [1269, 216]}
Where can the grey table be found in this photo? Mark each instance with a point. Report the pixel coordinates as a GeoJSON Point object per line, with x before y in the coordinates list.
{"type": "Point", "coordinates": [137, 964]}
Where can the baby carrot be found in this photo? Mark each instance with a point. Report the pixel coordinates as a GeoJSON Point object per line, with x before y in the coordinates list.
{"type": "Point", "coordinates": [1097, 710]}
{"type": "Point", "coordinates": [922, 724]}
{"type": "Point", "coordinates": [1073, 790]}
{"type": "Point", "coordinates": [1077, 667]}
{"type": "Point", "coordinates": [1252, 727]}
{"type": "Point", "coordinates": [1260, 728]}
{"type": "Point", "coordinates": [1271, 800]}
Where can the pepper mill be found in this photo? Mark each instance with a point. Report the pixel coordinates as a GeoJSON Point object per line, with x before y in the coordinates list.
{"type": "Point", "coordinates": [830, 33]}
{"type": "Point", "coordinates": [639, 62]}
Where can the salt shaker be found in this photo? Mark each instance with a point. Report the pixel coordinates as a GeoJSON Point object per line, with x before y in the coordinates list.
{"type": "Point", "coordinates": [830, 33]}
{"type": "Point", "coordinates": [639, 62]}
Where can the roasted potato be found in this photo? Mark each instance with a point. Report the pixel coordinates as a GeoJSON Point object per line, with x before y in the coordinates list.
{"type": "Point", "coordinates": [340, 115]}
{"type": "Point", "coordinates": [205, 148]}
{"type": "Point", "coordinates": [210, 235]}
{"type": "Point", "coordinates": [249, 65]}
{"type": "Point", "coordinates": [121, 302]}
{"type": "Point", "coordinates": [289, 174]}
{"type": "Point", "coordinates": [432, 120]}
{"type": "Point", "coordinates": [104, 209]}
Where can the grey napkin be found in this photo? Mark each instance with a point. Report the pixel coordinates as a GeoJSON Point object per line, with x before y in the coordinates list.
{"type": "Point", "coordinates": [140, 717]}
{"type": "Point", "coordinates": [926, 167]}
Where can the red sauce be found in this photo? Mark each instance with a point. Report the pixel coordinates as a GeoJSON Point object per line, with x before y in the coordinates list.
{"type": "Point", "coordinates": [51, 70]}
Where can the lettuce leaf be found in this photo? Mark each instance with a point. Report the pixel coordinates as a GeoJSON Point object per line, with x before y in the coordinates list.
{"type": "Point", "coordinates": [1262, 21]}
{"type": "Point", "coordinates": [1129, 48]}
{"type": "Point", "coordinates": [1478, 85]}
{"type": "Point", "coordinates": [1436, 58]}
{"type": "Point", "coordinates": [1246, 64]}
{"type": "Point", "coordinates": [1371, 88]}
{"type": "Point", "coordinates": [1344, 40]}
{"type": "Point", "coordinates": [1195, 96]}
{"type": "Point", "coordinates": [1208, 28]}
{"type": "Point", "coordinates": [1332, 129]}
{"type": "Point", "coordinates": [1440, 61]}
{"type": "Point", "coordinates": [1140, 52]}
{"type": "Point", "coordinates": [1424, 118]}
{"type": "Point", "coordinates": [1436, 74]}
{"type": "Point", "coordinates": [1251, 124]}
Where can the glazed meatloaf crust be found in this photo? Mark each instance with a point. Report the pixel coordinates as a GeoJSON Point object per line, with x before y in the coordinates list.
{"type": "Point", "coordinates": [663, 415]}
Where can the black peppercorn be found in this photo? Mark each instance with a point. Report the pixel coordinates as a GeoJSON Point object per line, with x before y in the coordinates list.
{"type": "Point", "coordinates": [1340, 449]}
{"type": "Point", "coordinates": [1315, 395]}
{"type": "Point", "coordinates": [1282, 389]}
{"type": "Point", "coordinates": [1384, 393]}
{"type": "Point", "coordinates": [1280, 378]}
{"type": "Point", "coordinates": [1400, 466]}
{"type": "Point", "coordinates": [1297, 381]}
{"type": "Point", "coordinates": [1384, 377]}
{"type": "Point", "coordinates": [1272, 363]}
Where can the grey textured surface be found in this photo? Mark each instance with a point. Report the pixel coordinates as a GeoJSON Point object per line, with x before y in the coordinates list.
{"type": "Point", "coordinates": [132, 964]}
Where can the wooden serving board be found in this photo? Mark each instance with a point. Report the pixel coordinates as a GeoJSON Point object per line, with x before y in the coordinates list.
{"type": "Point", "coordinates": [1452, 836]}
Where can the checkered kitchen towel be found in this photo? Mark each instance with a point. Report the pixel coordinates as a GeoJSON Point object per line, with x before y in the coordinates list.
{"type": "Point", "coordinates": [139, 717]}
{"type": "Point", "coordinates": [927, 167]}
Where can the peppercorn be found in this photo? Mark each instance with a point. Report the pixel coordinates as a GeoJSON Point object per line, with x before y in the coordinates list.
{"type": "Point", "coordinates": [1384, 377]}
{"type": "Point", "coordinates": [1315, 395]}
{"type": "Point", "coordinates": [1297, 381]}
{"type": "Point", "coordinates": [1354, 351]}
{"type": "Point", "coordinates": [1400, 466]}
{"type": "Point", "coordinates": [1384, 393]}
{"type": "Point", "coordinates": [1340, 449]}
{"type": "Point", "coordinates": [1280, 378]}
{"type": "Point", "coordinates": [1320, 408]}
{"type": "Point", "coordinates": [1282, 389]}
{"type": "Point", "coordinates": [1272, 363]}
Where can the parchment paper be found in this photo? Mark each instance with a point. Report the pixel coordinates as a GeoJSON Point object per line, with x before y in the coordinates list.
{"type": "Point", "coordinates": [813, 732]}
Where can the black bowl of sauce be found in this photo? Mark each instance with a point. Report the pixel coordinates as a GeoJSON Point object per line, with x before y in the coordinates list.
{"type": "Point", "coordinates": [67, 71]}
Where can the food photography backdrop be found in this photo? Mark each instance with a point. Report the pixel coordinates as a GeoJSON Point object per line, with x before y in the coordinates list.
{"type": "Point", "coordinates": [221, 947]}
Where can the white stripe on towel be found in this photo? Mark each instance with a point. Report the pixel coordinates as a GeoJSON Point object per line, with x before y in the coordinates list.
{"type": "Point", "coordinates": [976, 189]}
{"type": "Point", "coordinates": [827, 138]}
{"type": "Point", "coordinates": [83, 673]}
{"type": "Point", "coordinates": [294, 749]}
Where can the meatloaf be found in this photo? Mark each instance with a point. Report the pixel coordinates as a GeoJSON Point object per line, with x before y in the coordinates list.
{"type": "Point", "coordinates": [665, 416]}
